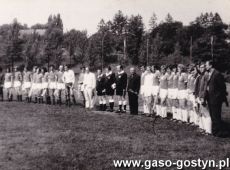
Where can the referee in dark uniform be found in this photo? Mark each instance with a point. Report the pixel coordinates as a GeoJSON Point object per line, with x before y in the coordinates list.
{"type": "Point", "coordinates": [121, 85]}
{"type": "Point", "coordinates": [100, 88]}
{"type": "Point", "coordinates": [133, 91]}
{"type": "Point", "coordinates": [110, 79]}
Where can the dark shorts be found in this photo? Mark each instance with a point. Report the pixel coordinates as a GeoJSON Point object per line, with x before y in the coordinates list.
{"type": "Point", "coordinates": [109, 92]}
{"type": "Point", "coordinates": [120, 92]}
{"type": "Point", "coordinates": [1, 90]}
{"type": "Point", "coordinates": [100, 93]}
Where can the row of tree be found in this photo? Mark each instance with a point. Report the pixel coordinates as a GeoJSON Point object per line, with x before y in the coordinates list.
{"type": "Point", "coordinates": [123, 39]}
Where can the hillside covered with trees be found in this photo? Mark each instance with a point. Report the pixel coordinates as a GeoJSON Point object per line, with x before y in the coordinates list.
{"type": "Point", "coordinates": [124, 39]}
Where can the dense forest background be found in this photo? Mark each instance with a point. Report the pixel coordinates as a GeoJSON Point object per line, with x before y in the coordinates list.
{"type": "Point", "coordinates": [124, 39]}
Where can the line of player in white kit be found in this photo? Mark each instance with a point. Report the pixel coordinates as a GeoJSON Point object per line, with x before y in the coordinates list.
{"type": "Point", "coordinates": [40, 84]}
{"type": "Point", "coordinates": [177, 90]}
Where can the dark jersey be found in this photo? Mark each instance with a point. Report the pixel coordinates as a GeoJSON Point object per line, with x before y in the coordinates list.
{"type": "Point", "coordinates": [100, 84]}
{"type": "Point", "coordinates": [2, 79]}
{"type": "Point", "coordinates": [121, 81]}
{"type": "Point", "coordinates": [110, 80]}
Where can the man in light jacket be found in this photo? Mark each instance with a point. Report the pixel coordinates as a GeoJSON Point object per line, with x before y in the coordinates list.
{"type": "Point", "coordinates": [69, 80]}
{"type": "Point", "coordinates": [89, 83]}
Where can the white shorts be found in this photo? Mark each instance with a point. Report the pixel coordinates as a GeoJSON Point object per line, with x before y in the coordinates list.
{"type": "Point", "coordinates": [60, 86]}
{"type": "Point", "coordinates": [146, 91]}
{"type": "Point", "coordinates": [7, 85]}
{"type": "Point", "coordinates": [44, 85]}
{"type": "Point", "coordinates": [37, 86]}
{"type": "Point", "coordinates": [17, 84]}
{"type": "Point", "coordinates": [26, 85]}
{"type": "Point", "coordinates": [52, 85]}
{"type": "Point", "coordinates": [182, 94]}
{"type": "Point", "coordinates": [155, 90]}
{"type": "Point", "coordinates": [192, 98]}
{"type": "Point", "coordinates": [163, 93]}
{"type": "Point", "coordinates": [141, 90]}
{"type": "Point", "coordinates": [32, 86]}
{"type": "Point", "coordinates": [172, 93]}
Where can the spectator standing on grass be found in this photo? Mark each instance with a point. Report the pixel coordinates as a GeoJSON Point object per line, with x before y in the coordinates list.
{"type": "Point", "coordinates": [133, 88]}
{"type": "Point", "coordinates": [89, 87]}
{"type": "Point", "coordinates": [216, 95]}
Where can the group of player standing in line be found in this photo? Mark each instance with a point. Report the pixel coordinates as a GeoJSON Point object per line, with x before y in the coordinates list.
{"type": "Point", "coordinates": [173, 89]}
{"type": "Point", "coordinates": [178, 90]}
{"type": "Point", "coordinates": [40, 84]}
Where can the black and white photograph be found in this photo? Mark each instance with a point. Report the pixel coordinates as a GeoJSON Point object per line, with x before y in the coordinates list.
{"type": "Point", "coordinates": [114, 84]}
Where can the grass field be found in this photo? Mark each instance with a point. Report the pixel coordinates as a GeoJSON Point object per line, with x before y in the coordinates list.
{"type": "Point", "coordinates": [34, 136]}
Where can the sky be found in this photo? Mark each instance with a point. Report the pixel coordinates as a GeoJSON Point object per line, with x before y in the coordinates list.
{"type": "Point", "coordinates": [86, 14]}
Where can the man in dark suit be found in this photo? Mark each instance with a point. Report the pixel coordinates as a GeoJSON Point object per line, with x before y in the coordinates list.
{"type": "Point", "coordinates": [133, 91]}
{"type": "Point", "coordinates": [216, 95]}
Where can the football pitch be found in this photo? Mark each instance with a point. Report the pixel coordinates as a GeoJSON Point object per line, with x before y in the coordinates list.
{"type": "Point", "coordinates": [36, 136]}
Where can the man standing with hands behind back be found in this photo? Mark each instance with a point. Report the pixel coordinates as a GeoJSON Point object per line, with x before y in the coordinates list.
{"type": "Point", "coordinates": [216, 95]}
{"type": "Point", "coordinates": [133, 91]}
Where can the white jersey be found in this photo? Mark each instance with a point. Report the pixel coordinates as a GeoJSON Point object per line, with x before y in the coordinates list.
{"type": "Point", "coordinates": [69, 77]}
{"type": "Point", "coordinates": [148, 80]}
{"type": "Point", "coordinates": [147, 84]}
{"type": "Point", "coordinates": [89, 80]}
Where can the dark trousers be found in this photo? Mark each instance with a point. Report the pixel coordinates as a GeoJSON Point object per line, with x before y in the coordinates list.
{"type": "Point", "coordinates": [133, 103]}
{"type": "Point", "coordinates": [1, 93]}
{"type": "Point", "coordinates": [215, 113]}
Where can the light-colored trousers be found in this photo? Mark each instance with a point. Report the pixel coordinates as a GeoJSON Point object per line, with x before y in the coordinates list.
{"type": "Point", "coordinates": [88, 93]}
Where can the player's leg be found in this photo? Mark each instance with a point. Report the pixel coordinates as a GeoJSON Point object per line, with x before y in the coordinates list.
{"type": "Point", "coordinates": [119, 99]}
